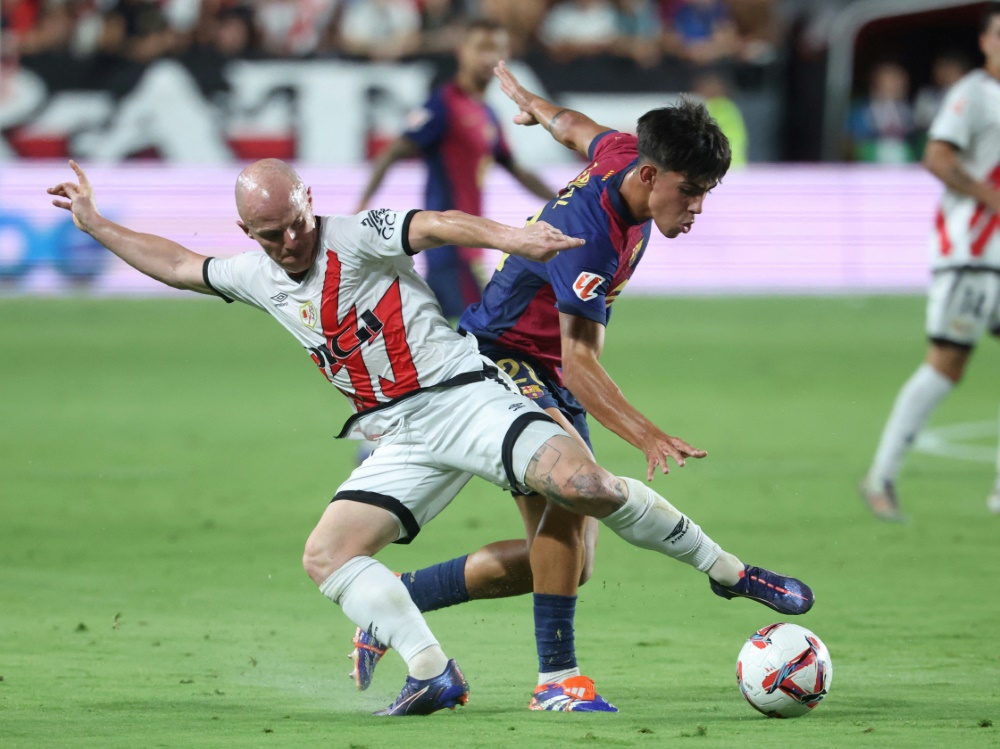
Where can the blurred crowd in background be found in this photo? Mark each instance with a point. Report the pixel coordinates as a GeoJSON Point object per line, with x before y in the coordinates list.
{"type": "Point", "coordinates": [764, 55]}
{"type": "Point", "coordinates": [644, 31]}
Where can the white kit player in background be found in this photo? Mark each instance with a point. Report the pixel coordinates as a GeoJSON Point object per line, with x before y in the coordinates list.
{"type": "Point", "coordinates": [963, 151]}
{"type": "Point", "coordinates": [345, 287]}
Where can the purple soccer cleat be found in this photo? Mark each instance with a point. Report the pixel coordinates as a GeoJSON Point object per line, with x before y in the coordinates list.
{"type": "Point", "coordinates": [786, 595]}
{"type": "Point", "coordinates": [368, 651]}
{"type": "Point", "coordinates": [426, 696]}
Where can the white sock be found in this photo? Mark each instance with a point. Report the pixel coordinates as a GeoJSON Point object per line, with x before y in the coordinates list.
{"type": "Point", "coordinates": [554, 677]}
{"type": "Point", "coordinates": [649, 521]}
{"type": "Point", "coordinates": [375, 599]}
{"type": "Point", "coordinates": [996, 485]}
{"type": "Point", "coordinates": [921, 394]}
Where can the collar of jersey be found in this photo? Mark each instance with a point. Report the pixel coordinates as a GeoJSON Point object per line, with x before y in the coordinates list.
{"type": "Point", "coordinates": [614, 190]}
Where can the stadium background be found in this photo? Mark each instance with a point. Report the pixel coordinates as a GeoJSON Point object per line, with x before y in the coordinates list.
{"type": "Point", "coordinates": [162, 460]}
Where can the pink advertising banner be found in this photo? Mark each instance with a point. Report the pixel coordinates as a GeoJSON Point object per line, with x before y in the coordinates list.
{"type": "Point", "coordinates": [775, 229]}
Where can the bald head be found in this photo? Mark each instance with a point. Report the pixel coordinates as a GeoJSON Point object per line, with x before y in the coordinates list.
{"type": "Point", "coordinates": [275, 209]}
{"type": "Point", "coordinates": [267, 187]}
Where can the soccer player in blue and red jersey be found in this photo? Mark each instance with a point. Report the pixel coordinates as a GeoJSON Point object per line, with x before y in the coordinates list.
{"type": "Point", "coordinates": [459, 137]}
{"type": "Point", "coordinates": [545, 325]}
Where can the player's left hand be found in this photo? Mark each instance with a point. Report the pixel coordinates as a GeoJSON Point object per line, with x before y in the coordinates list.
{"type": "Point", "coordinates": [541, 242]}
{"type": "Point", "coordinates": [659, 447]}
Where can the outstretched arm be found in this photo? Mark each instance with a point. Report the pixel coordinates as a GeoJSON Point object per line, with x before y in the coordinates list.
{"type": "Point", "coordinates": [159, 258]}
{"type": "Point", "coordinates": [583, 375]}
{"type": "Point", "coordinates": [399, 149]}
{"type": "Point", "coordinates": [572, 129]}
{"type": "Point", "coordinates": [529, 180]}
{"type": "Point", "coordinates": [539, 241]}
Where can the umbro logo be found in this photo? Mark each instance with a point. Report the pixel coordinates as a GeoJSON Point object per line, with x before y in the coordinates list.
{"type": "Point", "coordinates": [279, 300]}
{"type": "Point", "coordinates": [515, 407]}
{"type": "Point", "coordinates": [679, 531]}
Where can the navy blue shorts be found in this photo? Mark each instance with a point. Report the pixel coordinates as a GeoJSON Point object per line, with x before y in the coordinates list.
{"type": "Point", "coordinates": [537, 384]}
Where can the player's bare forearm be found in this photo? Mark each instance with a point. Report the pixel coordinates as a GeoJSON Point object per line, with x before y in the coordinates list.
{"type": "Point", "coordinates": [941, 160]}
{"type": "Point", "coordinates": [590, 383]}
{"type": "Point", "coordinates": [573, 129]}
{"type": "Point", "coordinates": [587, 379]}
{"type": "Point", "coordinates": [399, 149]}
{"type": "Point", "coordinates": [157, 257]}
{"type": "Point", "coordinates": [436, 228]}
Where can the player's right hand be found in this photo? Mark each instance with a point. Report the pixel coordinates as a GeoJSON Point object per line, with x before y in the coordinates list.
{"type": "Point", "coordinates": [541, 242]}
{"type": "Point", "coordinates": [79, 199]}
{"type": "Point", "coordinates": [658, 447]}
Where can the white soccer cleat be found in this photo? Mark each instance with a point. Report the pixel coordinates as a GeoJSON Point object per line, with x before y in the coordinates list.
{"type": "Point", "coordinates": [881, 500]}
{"type": "Point", "coordinates": [993, 501]}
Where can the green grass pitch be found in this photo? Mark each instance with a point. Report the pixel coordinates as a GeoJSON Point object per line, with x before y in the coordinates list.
{"type": "Point", "coordinates": [161, 463]}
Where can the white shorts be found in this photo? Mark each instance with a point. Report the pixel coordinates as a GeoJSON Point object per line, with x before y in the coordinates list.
{"type": "Point", "coordinates": [430, 445]}
{"type": "Point", "coordinates": [962, 305]}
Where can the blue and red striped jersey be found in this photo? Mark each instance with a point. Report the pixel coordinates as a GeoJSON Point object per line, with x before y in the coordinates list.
{"type": "Point", "coordinates": [459, 137]}
{"type": "Point", "coordinates": [521, 303]}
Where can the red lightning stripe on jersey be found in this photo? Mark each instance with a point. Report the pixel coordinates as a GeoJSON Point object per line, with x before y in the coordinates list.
{"type": "Point", "coordinates": [330, 316]}
{"type": "Point", "coordinates": [943, 234]}
{"type": "Point", "coordinates": [390, 310]}
{"type": "Point", "coordinates": [347, 337]}
{"type": "Point", "coordinates": [992, 223]}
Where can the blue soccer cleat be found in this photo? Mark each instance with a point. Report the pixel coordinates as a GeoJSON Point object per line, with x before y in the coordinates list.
{"type": "Point", "coordinates": [785, 595]}
{"type": "Point", "coordinates": [573, 695]}
{"type": "Point", "coordinates": [367, 652]}
{"type": "Point", "coordinates": [426, 696]}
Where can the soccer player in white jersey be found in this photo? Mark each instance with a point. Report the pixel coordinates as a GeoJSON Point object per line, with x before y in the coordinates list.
{"type": "Point", "coordinates": [963, 152]}
{"type": "Point", "coordinates": [346, 289]}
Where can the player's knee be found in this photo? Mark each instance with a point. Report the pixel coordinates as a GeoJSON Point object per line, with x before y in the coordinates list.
{"type": "Point", "coordinates": [594, 491]}
{"type": "Point", "coordinates": [949, 360]}
{"type": "Point", "coordinates": [318, 559]}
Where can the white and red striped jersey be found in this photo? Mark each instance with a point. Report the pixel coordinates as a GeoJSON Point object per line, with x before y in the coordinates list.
{"type": "Point", "coordinates": [965, 231]}
{"type": "Point", "coordinates": [365, 316]}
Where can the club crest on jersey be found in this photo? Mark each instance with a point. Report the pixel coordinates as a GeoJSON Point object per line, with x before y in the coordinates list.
{"type": "Point", "coordinates": [587, 284]}
{"type": "Point", "coordinates": [635, 252]}
{"type": "Point", "coordinates": [532, 391]}
{"type": "Point", "coordinates": [308, 315]}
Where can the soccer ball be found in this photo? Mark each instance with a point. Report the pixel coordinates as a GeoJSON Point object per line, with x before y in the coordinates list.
{"type": "Point", "coordinates": [784, 670]}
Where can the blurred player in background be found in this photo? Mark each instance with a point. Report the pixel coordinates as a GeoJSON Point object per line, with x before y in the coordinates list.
{"type": "Point", "coordinates": [963, 152]}
{"type": "Point", "coordinates": [545, 326]}
{"type": "Point", "coordinates": [459, 137]}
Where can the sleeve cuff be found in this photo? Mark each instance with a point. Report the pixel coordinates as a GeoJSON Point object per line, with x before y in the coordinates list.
{"type": "Point", "coordinates": [596, 141]}
{"type": "Point", "coordinates": [405, 233]}
{"type": "Point", "coordinates": [204, 276]}
{"type": "Point", "coordinates": [582, 310]}
{"type": "Point", "coordinates": [953, 142]}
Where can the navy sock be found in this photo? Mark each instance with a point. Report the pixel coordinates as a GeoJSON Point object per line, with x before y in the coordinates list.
{"type": "Point", "coordinates": [554, 632]}
{"type": "Point", "coordinates": [438, 586]}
